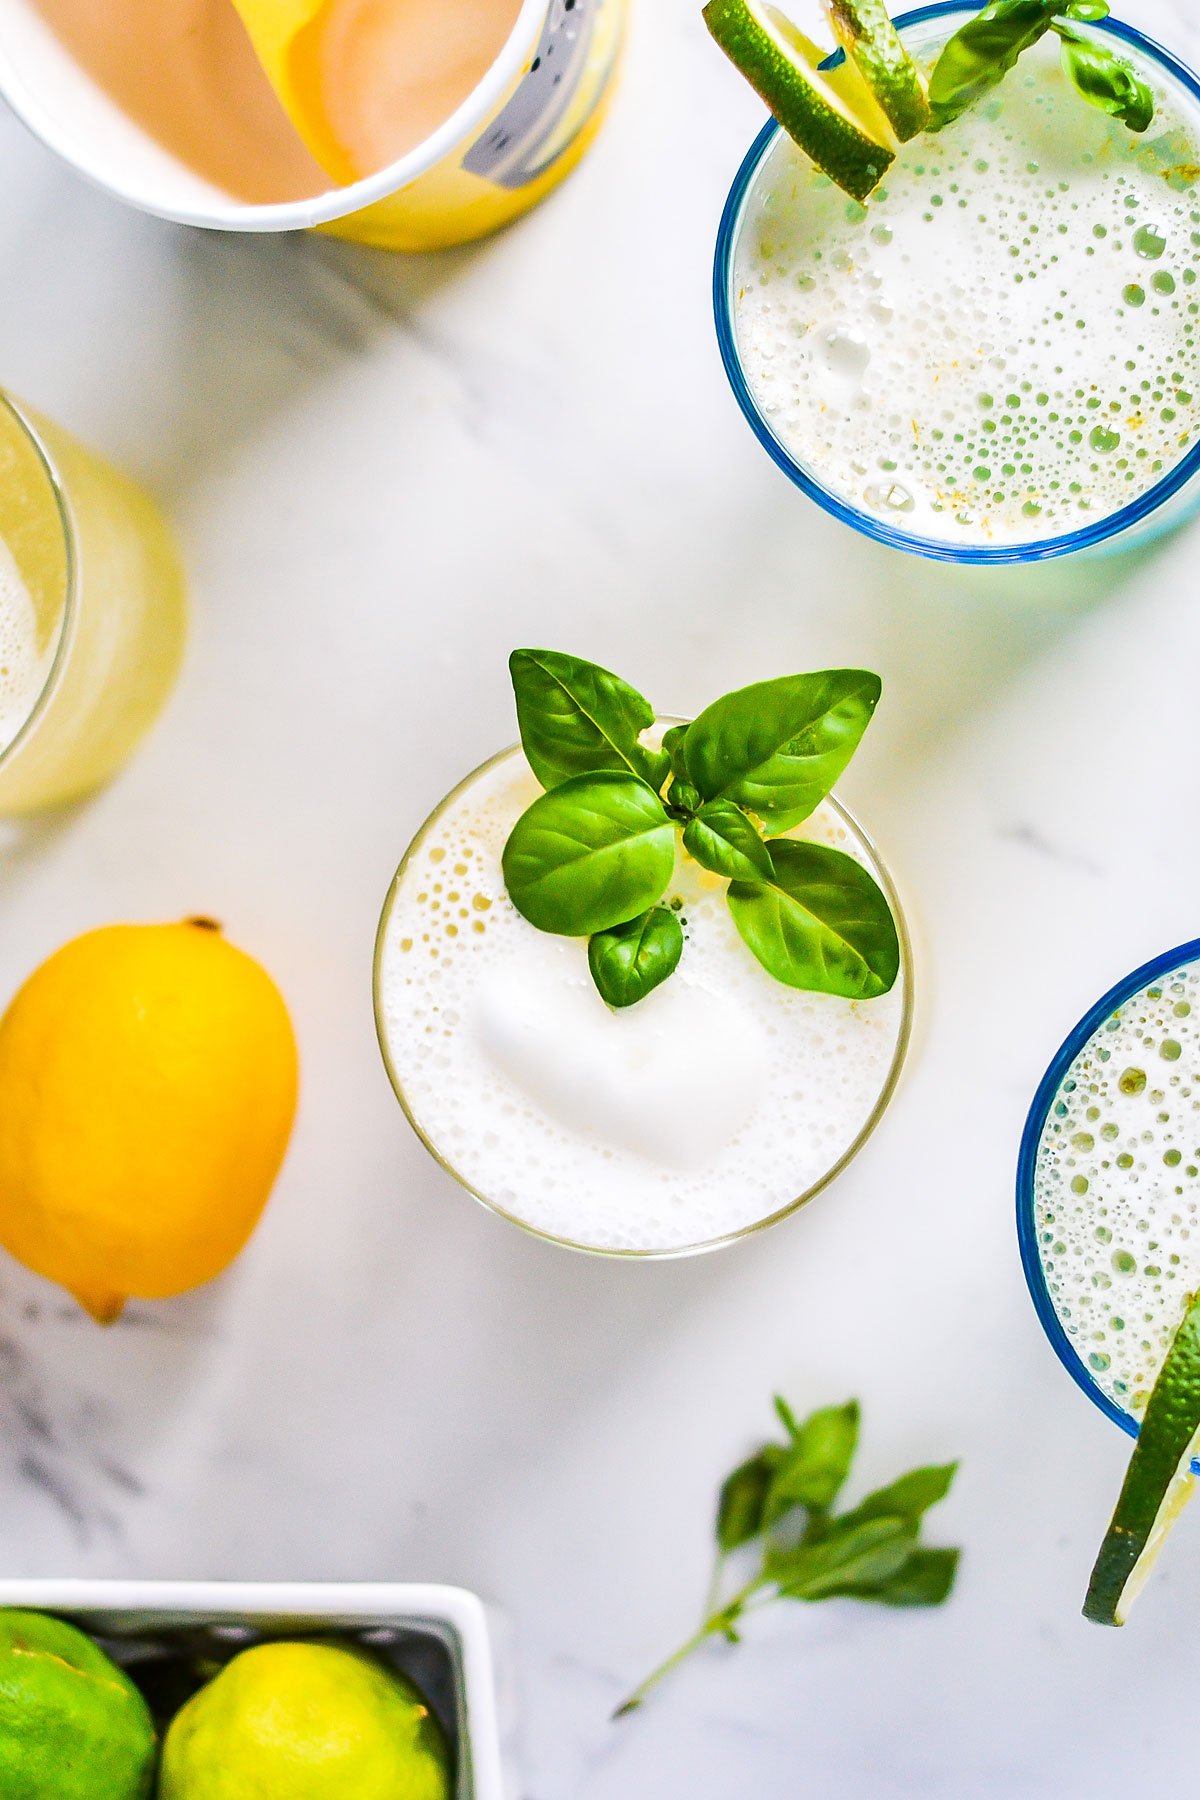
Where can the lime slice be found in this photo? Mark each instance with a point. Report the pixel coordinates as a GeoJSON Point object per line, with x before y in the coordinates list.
{"type": "Point", "coordinates": [1159, 1482]}
{"type": "Point", "coordinates": [831, 114]}
{"type": "Point", "coordinates": [865, 31]}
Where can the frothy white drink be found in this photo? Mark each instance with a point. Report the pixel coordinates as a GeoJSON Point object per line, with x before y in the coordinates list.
{"type": "Point", "coordinates": [708, 1107]}
{"type": "Point", "coordinates": [1117, 1185]}
{"type": "Point", "coordinates": [1003, 347]}
{"type": "Point", "coordinates": [24, 669]}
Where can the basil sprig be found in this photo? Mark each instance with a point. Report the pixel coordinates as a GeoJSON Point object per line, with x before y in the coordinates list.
{"type": "Point", "coordinates": [594, 856]}
{"type": "Point", "coordinates": [780, 1501]}
{"type": "Point", "coordinates": [989, 46]}
{"type": "Point", "coordinates": [630, 961]}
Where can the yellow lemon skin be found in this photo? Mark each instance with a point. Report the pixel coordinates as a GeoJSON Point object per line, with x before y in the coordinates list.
{"type": "Point", "coordinates": [148, 1087]}
{"type": "Point", "coordinates": [306, 1722]}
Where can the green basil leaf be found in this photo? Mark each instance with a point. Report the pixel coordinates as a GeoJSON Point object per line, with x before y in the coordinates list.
{"type": "Point", "coordinates": [812, 1470]}
{"type": "Point", "coordinates": [926, 1579]}
{"type": "Point", "coordinates": [683, 797]}
{"type": "Point", "coordinates": [629, 961]}
{"type": "Point", "coordinates": [1088, 12]}
{"type": "Point", "coordinates": [823, 924]}
{"type": "Point", "coordinates": [673, 748]}
{"type": "Point", "coordinates": [850, 1561]}
{"type": "Point", "coordinates": [724, 841]}
{"type": "Point", "coordinates": [741, 1508]}
{"type": "Point", "coordinates": [910, 1496]}
{"type": "Point", "coordinates": [1106, 81]}
{"type": "Point", "coordinates": [590, 854]}
{"type": "Point", "coordinates": [777, 748]}
{"type": "Point", "coordinates": [579, 719]}
{"type": "Point", "coordinates": [982, 53]}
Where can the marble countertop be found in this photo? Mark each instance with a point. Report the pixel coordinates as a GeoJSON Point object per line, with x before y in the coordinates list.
{"type": "Point", "coordinates": [385, 473]}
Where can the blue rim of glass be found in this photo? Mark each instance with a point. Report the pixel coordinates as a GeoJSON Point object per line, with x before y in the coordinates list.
{"type": "Point", "coordinates": [1031, 1260]}
{"type": "Point", "coordinates": [1113, 526]}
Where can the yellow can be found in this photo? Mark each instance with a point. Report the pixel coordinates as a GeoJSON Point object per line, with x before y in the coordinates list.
{"type": "Point", "coordinates": [525, 127]}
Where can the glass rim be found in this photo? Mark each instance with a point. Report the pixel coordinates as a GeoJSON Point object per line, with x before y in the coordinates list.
{"type": "Point", "coordinates": [332, 202]}
{"type": "Point", "coordinates": [1113, 525]}
{"type": "Point", "coordinates": [1031, 1260]}
{"type": "Point", "coordinates": [676, 1253]}
{"type": "Point", "coordinates": [70, 543]}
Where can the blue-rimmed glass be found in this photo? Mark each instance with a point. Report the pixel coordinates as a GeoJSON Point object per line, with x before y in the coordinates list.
{"type": "Point", "coordinates": [1160, 509]}
{"type": "Point", "coordinates": [1160, 969]}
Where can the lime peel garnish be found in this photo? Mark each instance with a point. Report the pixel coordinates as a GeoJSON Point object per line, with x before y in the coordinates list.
{"type": "Point", "coordinates": [1158, 1483]}
{"type": "Point", "coordinates": [865, 31]}
{"type": "Point", "coordinates": [831, 113]}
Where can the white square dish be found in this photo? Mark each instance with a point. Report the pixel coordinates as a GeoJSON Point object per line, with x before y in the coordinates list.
{"type": "Point", "coordinates": [439, 1635]}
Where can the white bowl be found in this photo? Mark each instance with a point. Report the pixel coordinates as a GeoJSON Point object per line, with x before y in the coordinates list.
{"type": "Point", "coordinates": [443, 1623]}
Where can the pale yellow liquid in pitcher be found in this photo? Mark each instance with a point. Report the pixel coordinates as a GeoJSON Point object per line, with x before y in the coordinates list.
{"type": "Point", "coordinates": [92, 615]}
{"type": "Point", "coordinates": [384, 74]}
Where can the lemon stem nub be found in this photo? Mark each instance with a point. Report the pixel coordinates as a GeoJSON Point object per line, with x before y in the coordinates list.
{"type": "Point", "coordinates": [105, 1308]}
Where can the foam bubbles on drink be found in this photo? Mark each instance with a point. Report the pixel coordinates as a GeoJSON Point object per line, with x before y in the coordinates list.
{"type": "Point", "coordinates": [708, 1107]}
{"type": "Point", "coordinates": [23, 667]}
{"type": "Point", "coordinates": [1117, 1186]}
{"type": "Point", "coordinates": [1003, 345]}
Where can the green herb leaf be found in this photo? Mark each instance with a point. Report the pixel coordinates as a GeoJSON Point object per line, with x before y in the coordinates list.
{"type": "Point", "coordinates": [868, 1554]}
{"type": "Point", "coordinates": [812, 1470]}
{"type": "Point", "coordinates": [741, 1510]}
{"type": "Point", "coordinates": [926, 1579]}
{"type": "Point", "coordinates": [683, 798]}
{"type": "Point", "coordinates": [630, 961]}
{"type": "Point", "coordinates": [593, 853]}
{"type": "Point", "coordinates": [822, 924]}
{"type": "Point", "coordinates": [851, 1559]}
{"type": "Point", "coordinates": [983, 52]}
{"type": "Point", "coordinates": [1106, 80]}
{"type": "Point", "coordinates": [673, 749]}
{"type": "Point", "coordinates": [579, 719]}
{"type": "Point", "coordinates": [911, 1496]}
{"type": "Point", "coordinates": [777, 748]}
{"type": "Point", "coordinates": [724, 841]}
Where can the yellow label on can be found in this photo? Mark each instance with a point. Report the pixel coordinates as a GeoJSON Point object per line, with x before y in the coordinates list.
{"type": "Point", "coordinates": [532, 139]}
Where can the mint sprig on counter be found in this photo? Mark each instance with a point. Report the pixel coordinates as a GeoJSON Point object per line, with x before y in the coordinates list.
{"type": "Point", "coordinates": [988, 47]}
{"type": "Point", "coordinates": [779, 1502]}
{"type": "Point", "coordinates": [595, 855]}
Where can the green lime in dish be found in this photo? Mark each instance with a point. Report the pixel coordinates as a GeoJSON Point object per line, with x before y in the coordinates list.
{"type": "Point", "coordinates": [72, 1724]}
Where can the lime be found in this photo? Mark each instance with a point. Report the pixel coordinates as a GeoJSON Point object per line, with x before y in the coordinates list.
{"type": "Point", "coordinates": [831, 113]}
{"type": "Point", "coordinates": [306, 1722]}
{"type": "Point", "coordinates": [865, 31]}
{"type": "Point", "coordinates": [1158, 1484]}
{"type": "Point", "coordinates": [72, 1726]}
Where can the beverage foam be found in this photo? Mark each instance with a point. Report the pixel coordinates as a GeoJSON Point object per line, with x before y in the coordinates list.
{"type": "Point", "coordinates": [1002, 347]}
{"type": "Point", "coordinates": [1117, 1184]}
{"type": "Point", "coordinates": [24, 669]}
{"type": "Point", "coordinates": [704, 1109]}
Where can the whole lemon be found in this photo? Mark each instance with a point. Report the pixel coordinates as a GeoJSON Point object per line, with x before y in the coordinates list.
{"type": "Point", "coordinates": [148, 1081]}
{"type": "Point", "coordinates": [72, 1726]}
{"type": "Point", "coordinates": [306, 1722]}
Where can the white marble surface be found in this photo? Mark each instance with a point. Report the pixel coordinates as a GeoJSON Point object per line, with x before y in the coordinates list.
{"type": "Point", "coordinates": [385, 474]}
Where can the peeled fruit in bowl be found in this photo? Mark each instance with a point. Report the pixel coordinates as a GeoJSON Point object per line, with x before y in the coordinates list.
{"type": "Point", "coordinates": [72, 1725]}
{"type": "Point", "coordinates": [306, 1722]}
{"type": "Point", "coordinates": [148, 1084]}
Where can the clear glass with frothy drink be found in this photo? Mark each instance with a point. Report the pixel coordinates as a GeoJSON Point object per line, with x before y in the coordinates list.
{"type": "Point", "coordinates": [998, 359]}
{"type": "Point", "coordinates": [716, 1106]}
{"type": "Point", "coordinates": [1108, 1186]}
{"type": "Point", "coordinates": [92, 615]}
